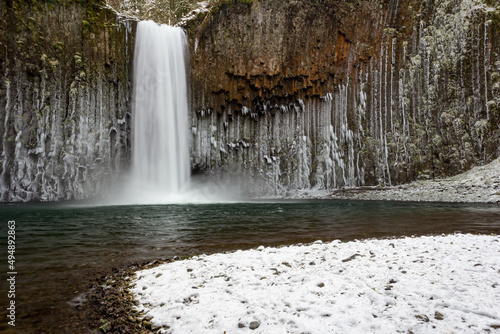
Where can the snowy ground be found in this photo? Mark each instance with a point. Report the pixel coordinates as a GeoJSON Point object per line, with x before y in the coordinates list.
{"type": "Point", "coordinates": [439, 284]}
{"type": "Point", "coordinates": [479, 185]}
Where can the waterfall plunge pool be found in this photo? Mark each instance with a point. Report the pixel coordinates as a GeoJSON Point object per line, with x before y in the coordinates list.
{"type": "Point", "coordinates": [60, 248]}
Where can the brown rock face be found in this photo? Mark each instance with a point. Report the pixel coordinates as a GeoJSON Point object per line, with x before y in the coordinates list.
{"type": "Point", "coordinates": [281, 48]}
{"type": "Point", "coordinates": [325, 94]}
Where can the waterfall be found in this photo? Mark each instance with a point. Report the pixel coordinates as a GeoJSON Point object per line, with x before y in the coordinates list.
{"type": "Point", "coordinates": [160, 153]}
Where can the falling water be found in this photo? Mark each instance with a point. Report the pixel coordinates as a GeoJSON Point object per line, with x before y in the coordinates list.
{"type": "Point", "coordinates": [160, 156]}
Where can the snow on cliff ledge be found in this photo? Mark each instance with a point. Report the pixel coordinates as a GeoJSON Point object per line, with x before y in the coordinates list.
{"type": "Point", "coordinates": [435, 284]}
{"type": "Point", "coordinates": [478, 185]}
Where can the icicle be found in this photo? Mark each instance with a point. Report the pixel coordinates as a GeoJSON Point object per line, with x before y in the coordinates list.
{"type": "Point", "coordinates": [486, 66]}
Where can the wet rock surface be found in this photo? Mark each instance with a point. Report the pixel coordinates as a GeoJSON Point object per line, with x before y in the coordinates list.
{"type": "Point", "coordinates": [111, 307]}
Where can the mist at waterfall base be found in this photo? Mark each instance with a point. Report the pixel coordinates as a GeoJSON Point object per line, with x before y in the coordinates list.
{"type": "Point", "coordinates": [161, 168]}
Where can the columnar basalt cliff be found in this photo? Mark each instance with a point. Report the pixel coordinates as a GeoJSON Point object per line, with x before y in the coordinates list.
{"type": "Point", "coordinates": [324, 94]}
{"type": "Point", "coordinates": [313, 94]}
{"type": "Point", "coordinates": [64, 99]}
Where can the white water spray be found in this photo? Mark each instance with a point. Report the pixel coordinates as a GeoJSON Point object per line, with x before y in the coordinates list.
{"type": "Point", "coordinates": [160, 154]}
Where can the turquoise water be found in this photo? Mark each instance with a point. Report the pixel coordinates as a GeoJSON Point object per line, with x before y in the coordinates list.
{"type": "Point", "coordinates": [60, 247]}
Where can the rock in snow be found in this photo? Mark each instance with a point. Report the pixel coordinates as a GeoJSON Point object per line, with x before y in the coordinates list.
{"type": "Point", "coordinates": [438, 284]}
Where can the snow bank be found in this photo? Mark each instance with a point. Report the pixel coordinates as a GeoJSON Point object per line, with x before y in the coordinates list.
{"type": "Point", "coordinates": [478, 185]}
{"type": "Point", "coordinates": [438, 284]}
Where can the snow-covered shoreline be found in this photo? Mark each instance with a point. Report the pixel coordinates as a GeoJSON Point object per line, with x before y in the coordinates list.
{"type": "Point", "coordinates": [426, 284]}
{"type": "Point", "coordinates": [481, 184]}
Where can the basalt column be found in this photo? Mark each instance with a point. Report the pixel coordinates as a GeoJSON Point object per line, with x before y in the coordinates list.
{"type": "Point", "coordinates": [327, 94]}
{"type": "Point", "coordinates": [64, 99]}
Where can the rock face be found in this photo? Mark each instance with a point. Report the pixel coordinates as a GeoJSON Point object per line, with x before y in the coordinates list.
{"type": "Point", "coordinates": [285, 94]}
{"type": "Point", "coordinates": [64, 99]}
{"type": "Point", "coordinates": [326, 94]}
